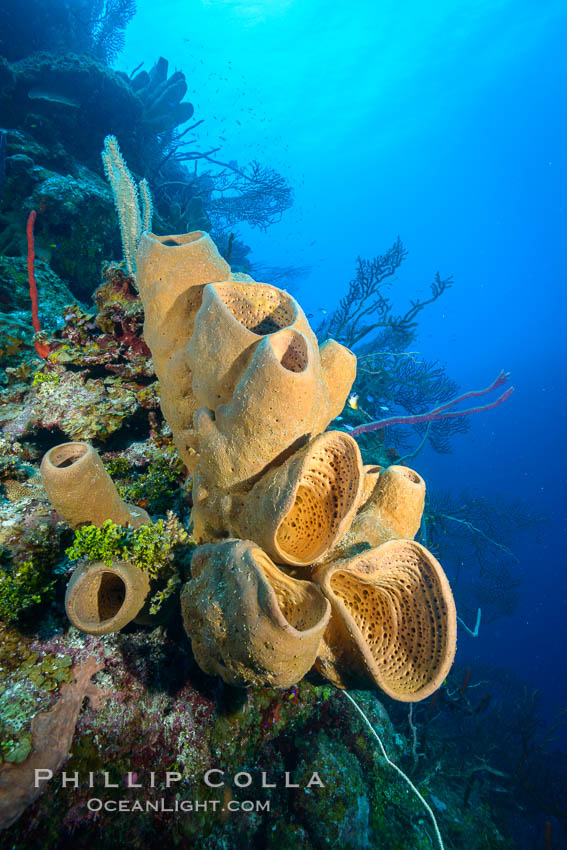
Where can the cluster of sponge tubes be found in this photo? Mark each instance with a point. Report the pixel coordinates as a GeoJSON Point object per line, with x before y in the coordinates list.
{"type": "Point", "coordinates": [305, 557]}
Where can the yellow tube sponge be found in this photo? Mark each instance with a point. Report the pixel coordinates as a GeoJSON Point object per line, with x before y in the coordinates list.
{"type": "Point", "coordinates": [398, 500]}
{"type": "Point", "coordinates": [394, 622]}
{"type": "Point", "coordinates": [393, 508]}
{"type": "Point", "coordinates": [81, 490]}
{"type": "Point", "coordinates": [248, 621]}
{"type": "Point", "coordinates": [171, 274]}
{"type": "Point", "coordinates": [298, 510]}
{"type": "Point", "coordinates": [101, 599]}
{"type": "Point", "coordinates": [371, 476]}
{"type": "Point", "coordinates": [242, 438]}
{"type": "Point", "coordinates": [338, 365]}
{"type": "Point", "coordinates": [231, 320]}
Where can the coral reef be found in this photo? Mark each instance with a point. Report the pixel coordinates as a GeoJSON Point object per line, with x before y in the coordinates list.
{"type": "Point", "coordinates": [262, 473]}
{"type": "Point", "coordinates": [341, 535]}
{"type": "Point", "coordinates": [69, 198]}
{"type": "Point", "coordinates": [165, 714]}
{"type": "Point", "coordinates": [228, 417]}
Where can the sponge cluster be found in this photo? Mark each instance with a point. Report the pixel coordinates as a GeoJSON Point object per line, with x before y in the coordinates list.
{"type": "Point", "coordinates": [306, 557]}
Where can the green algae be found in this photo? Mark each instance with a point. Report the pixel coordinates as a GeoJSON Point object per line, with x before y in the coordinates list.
{"type": "Point", "coordinates": [157, 488]}
{"type": "Point", "coordinates": [29, 573]}
{"type": "Point", "coordinates": [40, 377]}
{"type": "Point", "coordinates": [23, 586]}
{"type": "Point", "coordinates": [159, 548]}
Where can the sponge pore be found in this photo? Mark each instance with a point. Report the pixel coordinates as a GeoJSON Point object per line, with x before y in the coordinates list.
{"type": "Point", "coordinates": [261, 308]}
{"type": "Point", "coordinates": [325, 494]}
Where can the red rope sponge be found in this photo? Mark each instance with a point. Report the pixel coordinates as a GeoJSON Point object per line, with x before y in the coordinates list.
{"type": "Point", "coordinates": [41, 348]}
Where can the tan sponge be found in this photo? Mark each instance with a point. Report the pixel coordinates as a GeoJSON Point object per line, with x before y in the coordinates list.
{"type": "Point", "coordinates": [101, 599]}
{"type": "Point", "coordinates": [171, 274]}
{"type": "Point", "coordinates": [81, 490]}
{"type": "Point", "coordinates": [248, 621]}
{"type": "Point", "coordinates": [394, 621]}
{"type": "Point", "coordinates": [298, 510]}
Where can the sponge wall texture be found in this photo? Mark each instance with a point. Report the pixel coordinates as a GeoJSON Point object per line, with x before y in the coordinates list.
{"type": "Point", "coordinates": [248, 621]}
{"type": "Point", "coordinates": [394, 623]}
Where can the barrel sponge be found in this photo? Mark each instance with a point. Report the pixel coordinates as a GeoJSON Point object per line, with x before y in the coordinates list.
{"type": "Point", "coordinates": [394, 606]}
{"type": "Point", "coordinates": [298, 510]}
{"type": "Point", "coordinates": [248, 621]}
{"type": "Point", "coordinates": [81, 490]}
{"type": "Point", "coordinates": [101, 599]}
{"type": "Point", "coordinates": [240, 439]}
{"type": "Point", "coordinates": [231, 320]}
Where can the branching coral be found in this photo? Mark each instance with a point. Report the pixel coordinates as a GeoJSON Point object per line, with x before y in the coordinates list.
{"type": "Point", "coordinates": [108, 21]}
{"type": "Point", "coordinates": [390, 376]}
{"type": "Point", "coordinates": [389, 379]}
{"type": "Point", "coordinates": [257, 195]}
{"type": "Point", "coordinates": [443, 411]}
{"type": "Point", "coordinates": [85, 26]}
{"type": "Point", "coordinates": [366, 308]}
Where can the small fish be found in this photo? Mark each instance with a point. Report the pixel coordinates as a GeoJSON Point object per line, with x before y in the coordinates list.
{"type": "Point", "coordinates": [370, 397]}
{"type": "Point", "coordinates": [353, 401]}
{"type": "Point", "coordinates": [322, 309]}
{"type": "Point", "coordinates": [310, 315]}
{"type": "Point", "coordinates": [384, 407]}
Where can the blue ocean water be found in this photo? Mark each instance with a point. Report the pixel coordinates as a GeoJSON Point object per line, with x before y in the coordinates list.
{"type": "Point", "coordinates": [445, 123]}
{"type": "Point", "coordinates": [442, 123]}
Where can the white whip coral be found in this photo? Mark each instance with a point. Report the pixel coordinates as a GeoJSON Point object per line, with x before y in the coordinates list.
{"type": "Point", "coordinates": [127, 194]}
